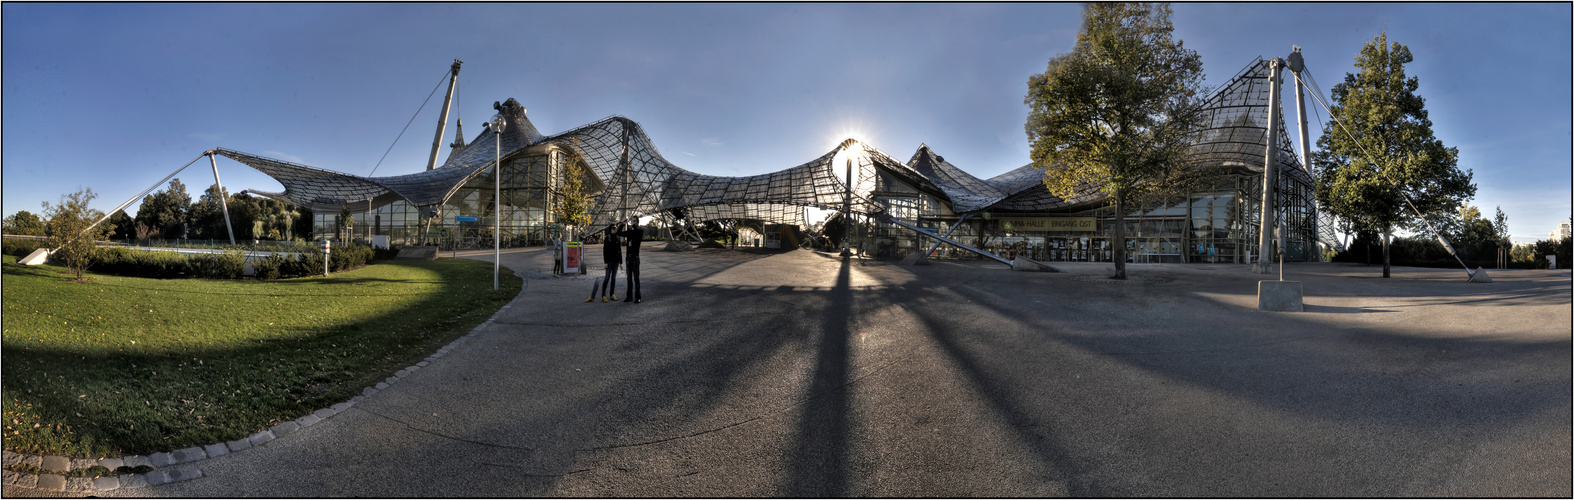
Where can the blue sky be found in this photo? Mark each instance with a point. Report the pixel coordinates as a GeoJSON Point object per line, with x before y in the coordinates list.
{"type": "Point", "coordinates": [115, 96]}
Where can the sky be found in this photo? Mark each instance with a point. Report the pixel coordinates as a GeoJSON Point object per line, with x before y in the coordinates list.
{"type": "Point", "coordinates": [114, 97]}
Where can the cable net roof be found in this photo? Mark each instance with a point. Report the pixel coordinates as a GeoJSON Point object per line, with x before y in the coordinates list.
{"type": "Point", "coordinates": [637, 181]}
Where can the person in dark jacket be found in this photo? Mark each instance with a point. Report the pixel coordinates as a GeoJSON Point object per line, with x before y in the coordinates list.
{"type": "Point", "coordinates": [612, 254]}
{"type": "Point", "coordinates": [632, 234]}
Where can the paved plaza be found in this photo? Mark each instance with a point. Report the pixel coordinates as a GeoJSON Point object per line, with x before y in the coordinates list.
{"type": "Point", "coordinates": [751, 373]}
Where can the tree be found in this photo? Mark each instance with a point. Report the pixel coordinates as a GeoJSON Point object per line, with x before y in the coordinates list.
{"type": "Point", "coordinates": [69, 233]}
{"type": "Point", "coordinates": [166, 211]}
{"type": "Point", "coordinates": [1500, 230]}
{"type": "Point", "coordinates": [1117, 112]}
{"type": "Point", "coordinates": [1393, 156]}
{"type": "Point", "coordinates": [206, 217]}
{"type": "Point", "coordinates": [345, 224]}
{"type": "Point", "coordinates": [1475, 237]}
{"type": "Point", "coordinates": [303, 225]}
{"type": "Point", "coordinates": [24, 223]}
{"type": "Point", "coordinates": [573, 203]}
{"type": "Point", "coordinates": [125, 226]}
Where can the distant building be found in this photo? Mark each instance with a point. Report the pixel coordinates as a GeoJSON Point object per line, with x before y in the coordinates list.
{"type": "Point", "coordinates": [1561, 232]}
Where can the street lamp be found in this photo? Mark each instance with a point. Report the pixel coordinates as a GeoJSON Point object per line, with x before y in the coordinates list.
{"type": "Point", "coordinates": [497, 196]}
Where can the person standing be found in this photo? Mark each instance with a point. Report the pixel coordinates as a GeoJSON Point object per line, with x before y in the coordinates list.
{"type": "Point", "coordinates": [634, 235]}
{"type": "Point", "coordinates": [612, 255]}
{"type": "Point", "coordinates": [557, 253]}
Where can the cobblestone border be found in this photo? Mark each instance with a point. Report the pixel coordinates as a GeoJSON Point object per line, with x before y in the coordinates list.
{"type": "Point", "coordinates": [62, 483]}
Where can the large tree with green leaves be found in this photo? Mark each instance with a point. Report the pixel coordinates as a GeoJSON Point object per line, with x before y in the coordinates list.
{"type": "Point", "coordinates": [1380, 151]}
{"type": "Point", "coordinates": [1117, 111]}
{"type": "Point", "coordinates": [24, 223]}
{"type": "Point", "coordinates": [166, 210]}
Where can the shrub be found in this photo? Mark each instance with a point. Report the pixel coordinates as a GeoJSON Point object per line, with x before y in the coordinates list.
{"type": "Point", "coordinates": [145, 263]}
{"type": "Point", "coordinates": [21, 248]}
{"type": "Point", "coordinates": [307, 264]}
{"type": "Point", "coordinates": [269, 267]}
{"type": "Point", "coordinates": [227, 265]}
{"type": "Point", "coordinates": [350, 257]}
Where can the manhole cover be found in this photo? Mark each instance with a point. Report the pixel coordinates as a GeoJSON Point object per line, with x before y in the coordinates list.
{"type": "Point", "coordinates": [1130, 280]}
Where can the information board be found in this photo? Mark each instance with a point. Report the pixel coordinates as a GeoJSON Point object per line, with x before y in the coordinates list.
{"type": "Point", "coordinates": [571, 254]}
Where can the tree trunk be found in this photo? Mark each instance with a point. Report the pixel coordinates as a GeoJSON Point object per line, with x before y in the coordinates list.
{"type": "Point", "coordinates": [1120, 235]}
{"type": "Point", "coordinates": [1387, 235]}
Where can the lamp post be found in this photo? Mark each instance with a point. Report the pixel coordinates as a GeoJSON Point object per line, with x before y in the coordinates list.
{"type": "Point", "coordinates": [497, 196]}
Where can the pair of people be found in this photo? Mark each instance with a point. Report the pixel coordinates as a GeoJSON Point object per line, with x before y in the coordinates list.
{"type": "Point", "coordinates": [612, 254]}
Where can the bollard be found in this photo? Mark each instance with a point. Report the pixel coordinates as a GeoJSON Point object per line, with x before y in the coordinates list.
{"type": "Point", "coordinates": [325, 246]}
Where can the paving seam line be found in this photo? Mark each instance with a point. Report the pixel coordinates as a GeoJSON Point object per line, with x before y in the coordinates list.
{"type": "Point", "coordinates": [184, 456]}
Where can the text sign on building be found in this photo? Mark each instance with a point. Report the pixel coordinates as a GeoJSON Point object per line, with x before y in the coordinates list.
{"type": "Point", "coordinates": [1048, 223]}
{"type": "Point", "coordinates": [467, 218]}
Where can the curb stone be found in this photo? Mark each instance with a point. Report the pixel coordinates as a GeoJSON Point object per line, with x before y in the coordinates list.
{"type": "Point", "coordinates": [60, 483]}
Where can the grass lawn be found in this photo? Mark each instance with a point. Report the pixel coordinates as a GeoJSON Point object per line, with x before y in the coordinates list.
{"type": "Point", "coordinates": [134, 366]}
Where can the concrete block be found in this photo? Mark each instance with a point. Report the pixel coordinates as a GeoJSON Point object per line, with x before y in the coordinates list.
{"type": "Point", "coordinates": [156, 478]}
{"type": "Point", "coordinates": [56, 462]}
{"type": "Point", "coordinates": [1480, 276]}
{"type": "Point", "coordinates": [216, 450]}
{"type": "Point", "coordinates": [285, 428]}
{"type": "Point", "coordinates": [184, 473]}
{"type": "Point", "coordinates": [339, 408]}
{"type": "Point", "coordinates": [38, 257]}
{"type": "Point", "coordinates": [82, 463]}
{"type": "Point", "coordinates": [51, 482]}
{"type": "Point", "coordinates": [307, 421]}
{"type": "Point", "coordinates": [1279, 296]}
{"type": "Point", "coordinates": [325, 413]}
{"type": "Point", "coordinates": [1029, 265]}
{"type": "Point", "coordinates": [133, 481]}
{"type": "Point", "coordinates": [423, 363]}
{"type": "Point", "coordinates": [261, 437]}
{"type": "Point", "coordinates": [912, 258]}
{"type": "Point", "coordinates": [401, 374]}
{"type": "Point", "coordinates": [8, 476]}
{"type": "Point", "coordinates": [417, 253]}
{"type": "Point", "coordinates": [136, 460]}
{"type": "Point", "coordinates": [380, 386]}
{"type": "Point", "coordinates": [79, 484]}
{"type": "Point", "coordinates": [33, 460]}
{"type": "Point", "coordinates": [191, 454]}
{"type": "Point", "coordinates": [238, 445]}
{"type": "Point", "coordinates": [111, 463]}
{"type": "Point", "coordinates": [161, 459]}
{"type": "Point", "coordinates": [369, 391]}
{"type": "Point", "coordinates": [27, 480]}
{"type": "Point", "coordinates": [106, 483]}
{"type": "Point", "coordinates": [9, 458]}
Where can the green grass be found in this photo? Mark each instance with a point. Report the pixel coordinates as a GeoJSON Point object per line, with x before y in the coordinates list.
{"type": "Point", "coordinates": [123, 365]}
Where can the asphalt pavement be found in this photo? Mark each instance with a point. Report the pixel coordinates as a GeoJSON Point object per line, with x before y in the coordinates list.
{"type": "Point", "coordinates": [754, 373]}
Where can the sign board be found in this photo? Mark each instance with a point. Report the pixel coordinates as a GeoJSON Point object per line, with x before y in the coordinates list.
{"type": "Point", "coordinates": [1552, 262]}
{"type": "Point", "coordinates": [467, 218]}
{"type": "Point", "coordinates": [571, 256]}
{"type": "Point", "coordinates": [1085, 224]}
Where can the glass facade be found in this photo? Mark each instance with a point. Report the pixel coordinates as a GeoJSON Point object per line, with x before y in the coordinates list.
{"type": "Point", "coordinates": [1217, 223]}
{"type": "Point", "coordinates": [527, 185]}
